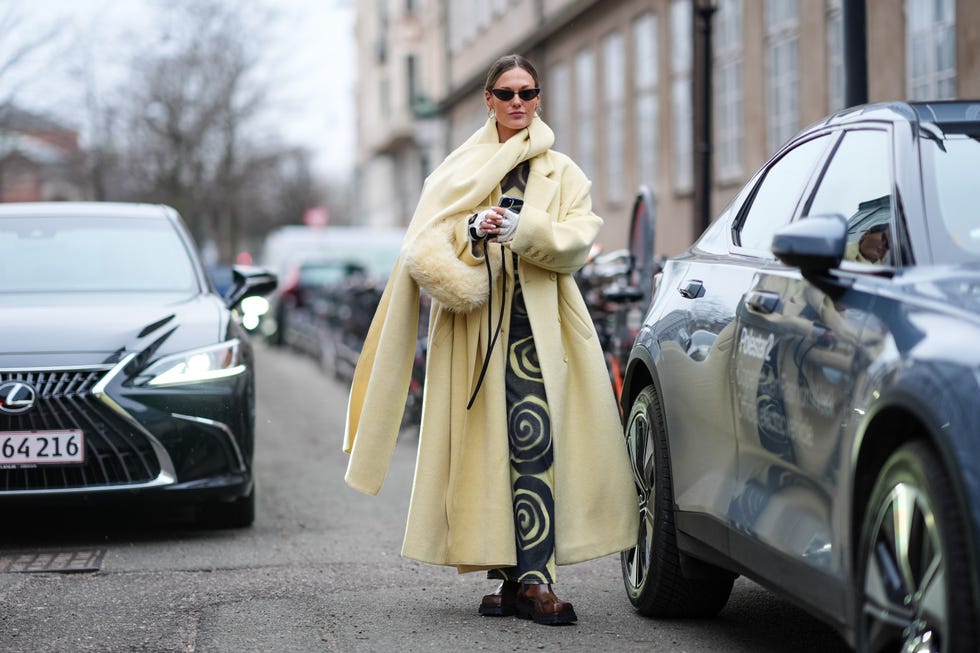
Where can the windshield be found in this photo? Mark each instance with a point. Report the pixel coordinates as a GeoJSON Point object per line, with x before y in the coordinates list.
{"type": "Point", "coordinates": [950, 174]}
{"type": "Point", "coordinates": [319, 275]}
{"type": "Point", "coordinates": [375, 250]}
{"type": "Point", "coordinates": [76, 254]}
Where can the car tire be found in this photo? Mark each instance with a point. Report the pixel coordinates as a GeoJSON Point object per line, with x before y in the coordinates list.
{"type": "Point", "coordinates": [239, 513]}
{"type": "Point", "coordinates": [652, 574]}
{"type": "Point", "coordinates": [913, 563]}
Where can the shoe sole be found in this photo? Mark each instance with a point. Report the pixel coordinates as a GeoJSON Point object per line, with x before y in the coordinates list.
{"type": "Point", "coordinates": [548, 619]}
{"type": "Point", "coordinates": [488, 611]}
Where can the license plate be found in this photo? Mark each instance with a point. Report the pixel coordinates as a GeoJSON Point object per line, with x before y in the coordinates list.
{"type": "Point", "coordinates": [42, 447]}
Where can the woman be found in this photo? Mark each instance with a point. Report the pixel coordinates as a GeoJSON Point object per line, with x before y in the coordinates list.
{"type": "Point", "coordinates": [871, 247]}
{"type": "Point", "coordinates": [521, 463]}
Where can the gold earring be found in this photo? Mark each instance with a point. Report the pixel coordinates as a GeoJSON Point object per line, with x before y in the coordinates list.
{"type": "Point", "coordinates": [489, 112]}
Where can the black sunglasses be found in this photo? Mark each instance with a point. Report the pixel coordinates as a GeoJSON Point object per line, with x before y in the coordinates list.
{"type": "Point", "coordinates": [506, 95]}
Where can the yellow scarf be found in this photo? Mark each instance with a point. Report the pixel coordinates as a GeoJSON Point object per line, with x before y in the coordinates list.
{"type": "Point", "coordinates": [467, 182]}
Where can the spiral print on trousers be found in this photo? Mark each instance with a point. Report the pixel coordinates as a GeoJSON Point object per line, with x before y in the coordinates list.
{"type": "Point", "coordinates": [534, 506]}
{"type": "Point", "coordinates": [528, 420]}
{"type": "Point", "coordinates": [529, 428]}
{"type": "Point", "coordinates": [524, 359]}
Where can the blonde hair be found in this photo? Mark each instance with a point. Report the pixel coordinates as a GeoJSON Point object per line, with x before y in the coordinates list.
{"type": "Point", "coordinates": [505, 63]}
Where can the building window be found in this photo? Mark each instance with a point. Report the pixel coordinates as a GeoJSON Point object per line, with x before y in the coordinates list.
{"type": "Point", "coordinates": [585, 103]}
{"type": "Point", "coordinates": [930, 42]}
{"type": "Point", "coordinates": [454, 27]}
{"type": "Point", "coordinates": [782, 45]}
{"type": "Point", "coordinates": [484, 13]}
{"type": "Point", "coordinates": [835, 56]}
{"type": "Point", "coordinates": [463, 16]}
{"type": "Point", "coordinates": [681, 34]}
{"type": "Point", "coordinates": [384, 95]}
{"type": "Point", "coordinates": [411, 81]}
{"type": "Point", "coordinates": [381, 44]}
{"type": "Point", "coordinates": [645, 77]}
{"type": "Point", "coordinates": [728, 90]}
{"type": "Point", "coordinates": [557, 104]}
{"type": "Point", "coordinates": [614, 115]}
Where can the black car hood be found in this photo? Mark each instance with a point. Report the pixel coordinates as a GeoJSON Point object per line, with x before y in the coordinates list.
{"type": "Point", "coordinates": [59, 330]}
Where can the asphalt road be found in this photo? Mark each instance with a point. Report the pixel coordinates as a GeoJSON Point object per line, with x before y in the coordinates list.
{"type": "Point", "coordinates": [320, 570]}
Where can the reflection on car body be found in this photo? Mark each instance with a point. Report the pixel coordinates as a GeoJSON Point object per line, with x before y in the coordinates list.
{"type": "Point", "coordinates": [123, 376]}
{"type": "Point", "coordinates": [811, 421]}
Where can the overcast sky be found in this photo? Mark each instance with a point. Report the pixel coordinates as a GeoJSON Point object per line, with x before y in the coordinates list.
{"type": "Point", "coordinates": [312, 53]}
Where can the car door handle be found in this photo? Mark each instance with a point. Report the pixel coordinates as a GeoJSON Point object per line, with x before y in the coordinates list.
{"type": "Point", "coordinates": [691, 289]}
{"type": "Point", "coordinates": [760, 301]}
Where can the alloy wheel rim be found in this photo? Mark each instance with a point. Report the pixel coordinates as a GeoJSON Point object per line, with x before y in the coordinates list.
{"type": "Point", "coordinates": [905, 585]}
{"type": "Point", "coordinates": [640, 448]}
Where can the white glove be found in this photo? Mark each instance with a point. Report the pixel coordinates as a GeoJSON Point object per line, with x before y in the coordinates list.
{"type": "Point", "coordinates": [476, 233]}
{"type": "Point", "coordinates": [508, 226]}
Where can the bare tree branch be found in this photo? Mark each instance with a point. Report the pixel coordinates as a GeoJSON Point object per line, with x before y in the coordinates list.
{"type": "Point", "coordinates": [196, 100]}
{"type": "Point", "coordinates": [16, 52]}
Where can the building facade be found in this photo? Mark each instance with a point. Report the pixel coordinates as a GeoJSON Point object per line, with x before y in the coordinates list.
{"type": "Point", "coordinates": [38, 159]}
{"type": "Point", "coordinates": [623, 85]}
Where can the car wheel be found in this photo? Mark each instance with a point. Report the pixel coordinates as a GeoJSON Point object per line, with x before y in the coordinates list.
{"type": "Point", "coordinates": [652, 572]}
{"type": "Point", "coordinates": [239, 513]}
{"type": "Point", "coordinates": [913, 565]}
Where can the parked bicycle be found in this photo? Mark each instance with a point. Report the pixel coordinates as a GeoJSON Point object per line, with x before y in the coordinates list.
{"type": "Point", "coordinates": [614, 305]}
{"type": "Point", "coordinates": [617, 287]}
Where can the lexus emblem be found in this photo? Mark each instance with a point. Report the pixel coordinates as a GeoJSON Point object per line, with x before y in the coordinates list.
{"type": "Point", "coordinates": [16, 397]}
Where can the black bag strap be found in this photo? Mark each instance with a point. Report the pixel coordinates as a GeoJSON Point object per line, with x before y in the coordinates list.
{"type": "Point", "coordinates": [500, 317]}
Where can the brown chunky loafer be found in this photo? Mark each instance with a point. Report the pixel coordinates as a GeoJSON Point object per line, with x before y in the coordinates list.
{"type": "Point", "coordinates": [501, 603]}
{"type": "Point", "coordinates": [539, 603]}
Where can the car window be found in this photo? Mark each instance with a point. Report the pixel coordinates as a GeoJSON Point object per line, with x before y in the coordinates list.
{"type": "Point", "coordinates": [777, 195]}
{"type": "Point", "coordinates": [857, 184]}
{"type": "Point", "coordinates": [75, 254]}
{"type": "Point", "coordinates": [950, 176]}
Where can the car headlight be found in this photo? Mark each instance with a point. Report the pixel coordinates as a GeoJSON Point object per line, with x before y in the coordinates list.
{"type": "Point", "coordinates": [197, 365]}
{"type": "Point", "coordinates": [253, 308]}
{"type": "Point", "coordinates": [255, 305]}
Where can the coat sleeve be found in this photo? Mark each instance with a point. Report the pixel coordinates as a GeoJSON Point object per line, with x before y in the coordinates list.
{"type": "Point", "coordinates": [559, 239]}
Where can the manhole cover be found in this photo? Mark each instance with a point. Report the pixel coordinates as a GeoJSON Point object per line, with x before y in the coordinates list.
{"type": "Point", "coordinates": [52, 561]}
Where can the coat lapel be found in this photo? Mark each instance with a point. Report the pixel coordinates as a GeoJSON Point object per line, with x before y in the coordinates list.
{"type": "Point", "coordinates": [541, 186]}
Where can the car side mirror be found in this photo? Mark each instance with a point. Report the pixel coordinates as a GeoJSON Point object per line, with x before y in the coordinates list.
{"type": "Point", "coordinates": [249, 281]}
{"type": "Point", "coordinates": [814, 244]}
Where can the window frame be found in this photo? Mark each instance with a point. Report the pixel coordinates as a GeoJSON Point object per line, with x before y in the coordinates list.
{"type": "Point", "coordinates": [782, 35]}
{"type": "Point", "coordinates": [614, 116]}
{"type": "Point", "coordinates": [585, 76]}
{"type": "Point", "coordinates": [728, 66]}
{"type": "Point", "coordinates": [681, 100]}
{"type": "Point", "coordinates": [760, 177]}
{"type": "Point", "coordinates": [646, 93]}
{"type": "Point", "coordinates": [932, 77]}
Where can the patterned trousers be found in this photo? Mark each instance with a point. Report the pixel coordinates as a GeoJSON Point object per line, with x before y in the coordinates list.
{"type": "Point", "coordinates": [531, 469]}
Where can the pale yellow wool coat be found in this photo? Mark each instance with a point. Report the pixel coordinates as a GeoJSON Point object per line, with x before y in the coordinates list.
{"type": "Point", "coordinates": [462, 510]}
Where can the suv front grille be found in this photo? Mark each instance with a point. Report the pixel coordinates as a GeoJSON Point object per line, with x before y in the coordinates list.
{"type": "Point", "coordinates": [116, 452]}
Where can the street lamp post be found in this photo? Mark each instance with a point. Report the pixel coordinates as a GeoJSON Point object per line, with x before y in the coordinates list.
{"type": "Point", "coordinates": [854, 17]}
{"type": "Point", "coordinates": [704, 11]}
